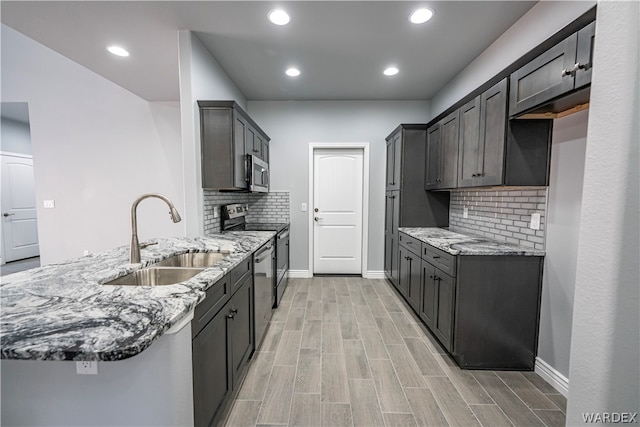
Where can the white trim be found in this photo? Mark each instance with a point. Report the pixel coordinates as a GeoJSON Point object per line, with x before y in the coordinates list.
{"type": "Point", "coordinates": [299, 274]}
{"type": "Point", "coordinates": [364, 146]}
{"type": "Point", "coordinates": [374, 275]}
{"type": "Point", "coordinates": [552, 376]}
{"type": "Point", "coordinates": [12, 154]}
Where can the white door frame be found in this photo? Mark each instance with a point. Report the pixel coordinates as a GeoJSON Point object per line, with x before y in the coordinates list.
{"type": "Point", "coordinates": [364, 146]}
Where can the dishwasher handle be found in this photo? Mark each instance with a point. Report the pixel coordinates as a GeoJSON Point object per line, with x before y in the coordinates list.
{"type": "Point", "coordinates": [268, 249]}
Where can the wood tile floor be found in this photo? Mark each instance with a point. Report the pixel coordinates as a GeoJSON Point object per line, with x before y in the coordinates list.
{"type": "Point", "coordinates": [349, 352]}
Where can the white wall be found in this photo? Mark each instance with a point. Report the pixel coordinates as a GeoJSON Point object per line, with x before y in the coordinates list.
{"type": "Point", "coordinates": [605, 343]}
{"type": "Point", "coordinates": [538, 24]}
{"type": "Point", "coordinates": [201, 78]}
{"type": "Point", "coordinates": [562, 230]}
{"type": "Point", "coordinates": [292, 125]}
{"type": "Point", "coordinates": [96, 147]}
{"type": "Point", "coordinates": [16, 137]}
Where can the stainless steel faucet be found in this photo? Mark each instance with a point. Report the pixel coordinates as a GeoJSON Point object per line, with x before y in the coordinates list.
{"type": "Point", "coordinates": [134, 251]}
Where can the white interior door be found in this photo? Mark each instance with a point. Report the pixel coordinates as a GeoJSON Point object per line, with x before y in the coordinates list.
{"type": "Point", "coordinates": [337, 211]}
{"type": "Point", "coordinates": [19, 225]}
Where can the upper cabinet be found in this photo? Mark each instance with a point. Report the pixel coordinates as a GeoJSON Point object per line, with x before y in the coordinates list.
{"type": "Point", "coordinates": [483, 129]}
{"type": "Point", "coordinates": [441, 168]}
{"type": "Point", "coordinates": [555, 73]}
{"type": "Point", "coordinates": [227, 136]}
{"type": "Point", "coordinates": [394, 159]}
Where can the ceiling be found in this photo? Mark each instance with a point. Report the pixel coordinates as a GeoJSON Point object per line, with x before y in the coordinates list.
{"type": "Point", "coordinates": [341, 47]}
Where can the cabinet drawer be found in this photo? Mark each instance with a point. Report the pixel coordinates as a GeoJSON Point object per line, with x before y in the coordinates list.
{"type": "Point", "coordinates": [440, 259]}
{"type": "Point", "coordinates": [217, 296]}
{"type": "Point", "coordinates": [411, 243]}
{"type": "Point", "coordinates": [239, 273]}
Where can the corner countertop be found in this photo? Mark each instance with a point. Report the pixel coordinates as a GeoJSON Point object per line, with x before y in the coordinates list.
{"type": "Point", "coordinates": [463, 244]}
{"type": "Point", "coordinates": [64, 312]}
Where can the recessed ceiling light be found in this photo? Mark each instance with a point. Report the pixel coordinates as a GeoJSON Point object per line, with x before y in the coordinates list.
{"type": "Point", "coordinates": [117, 50]}
{"type": "Point", "coordinates": [421, 16]}
{"type": "Point", "coordinates": [279, 17]}
{"type": "Point", "coordinates": [292, 72]}
{"type": "Point", "coordinates": [391, 71]}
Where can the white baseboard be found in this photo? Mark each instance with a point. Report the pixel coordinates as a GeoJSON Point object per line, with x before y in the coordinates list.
{"type": "Point", "coordinates": [553, 377]}
{"type": "Point", "coordinates": [299, 274]}
{"type": "Point", "coordinates": [374, 275]}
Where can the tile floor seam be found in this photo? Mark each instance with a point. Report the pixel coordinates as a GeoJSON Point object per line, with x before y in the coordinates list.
{"type": "Point", "coordinates": [520, 398]}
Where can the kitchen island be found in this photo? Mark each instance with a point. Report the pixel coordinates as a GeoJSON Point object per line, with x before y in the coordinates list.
{"type": "Point", "coordinates": [57, 314]}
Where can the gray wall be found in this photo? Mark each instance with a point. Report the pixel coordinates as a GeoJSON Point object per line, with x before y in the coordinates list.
{"type": "Point", "coordinates": [292, 125]}
{"type": "Point", "coordinates": [563, 227]}
{"type": "Point", "coordinates": [96, 147]}
{"type": "Point", "coordinates": [201, 78]}
{"type": "Point", "coordinates": [16, 137]}
{"type": "Point", "coordinates": [605, 341]}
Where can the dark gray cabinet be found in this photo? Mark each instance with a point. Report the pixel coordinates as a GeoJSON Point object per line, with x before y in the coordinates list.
{"type": "Point", "coordinates": [441, 159]}
{"type": "Point", "coordinates": [484, 310]}
{"type": "Point", "coordinates": [227, 136]}
{"type": "Point", "coordinates": [409, 275]}
{"type": "Point", "coordinates": [408, 204]}
{"type": "Point", "coordinates": [222, 342]}
{"type": "Point", "coordinates": [556, 72]}
{"type": "Point", "coordinates": [483, 130]}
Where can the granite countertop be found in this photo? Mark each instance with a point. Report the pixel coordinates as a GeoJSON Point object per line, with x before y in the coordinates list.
{"type": "Point", "coordinates": [64, 312]}
{"type": "Point", "coordinates": [464, 244]}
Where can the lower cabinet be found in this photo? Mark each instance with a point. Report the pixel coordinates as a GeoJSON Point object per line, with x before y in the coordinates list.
{"type": "Point", "coordinates": [484, 309]}
{"type": "Point", "coordinates": [223, 341]}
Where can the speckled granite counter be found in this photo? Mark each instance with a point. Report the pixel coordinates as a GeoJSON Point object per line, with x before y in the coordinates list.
{"type": "Point", "coordinates": [462, 244]}
{"type": "Point", "coordinates": [64, 312]}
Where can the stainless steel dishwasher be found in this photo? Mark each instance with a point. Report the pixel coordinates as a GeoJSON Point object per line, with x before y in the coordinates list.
{"type": "Point", "coordinates": [263, 267]}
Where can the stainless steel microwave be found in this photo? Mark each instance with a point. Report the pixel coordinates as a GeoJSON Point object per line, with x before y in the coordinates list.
{"type": "Point", "coordinates": [258, 174]}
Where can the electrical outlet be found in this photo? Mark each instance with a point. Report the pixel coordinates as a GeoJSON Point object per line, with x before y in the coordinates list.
{"type": "Point", "coordinates": [87, 368]}
{"type": "Point", "coordinates": [535, 221]}
{"type": "Point", "coordinates": [86, 252]}
{"type": "Point", "coordinates": [465, 212]}
{"type": "Point", "coordinates": [49, 204]}
{"type": "Point", "coordinates": [216, 211]}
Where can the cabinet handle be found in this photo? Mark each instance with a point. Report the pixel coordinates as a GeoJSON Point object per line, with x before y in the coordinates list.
{"type": "Point", "coordinates": [566, 73]}
{"type": "Point", "coordinates": [255, 150]}
{"type": "Point", "coordinates": [436, 256]}
{"type": "Point", "coordinates": [431, 276]}
{"type": "Point", "coordinates": [234, 310]}
{"type": "Point", "coordinates": [572, 72]}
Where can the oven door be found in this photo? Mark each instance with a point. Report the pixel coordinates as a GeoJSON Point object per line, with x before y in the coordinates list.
{"type": "Point", "coordinates": [258, 174]}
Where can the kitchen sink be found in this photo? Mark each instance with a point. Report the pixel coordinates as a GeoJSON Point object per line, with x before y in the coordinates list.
{"type": "Point", "coordinates": [193, 259]}
{"type": "Point", "coordinates": [156, 276]}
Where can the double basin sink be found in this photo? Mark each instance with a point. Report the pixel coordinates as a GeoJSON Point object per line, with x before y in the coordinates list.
{"type": "Point", "coordinates": [170, 271]}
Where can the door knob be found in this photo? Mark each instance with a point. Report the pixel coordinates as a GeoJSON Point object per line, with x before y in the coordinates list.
{"type": "Point", "coordinates": [316, 218]}
{"type": "Point", "coordinates": [315, 210]}
{"type": "Point", "coordinates": [7, 214]}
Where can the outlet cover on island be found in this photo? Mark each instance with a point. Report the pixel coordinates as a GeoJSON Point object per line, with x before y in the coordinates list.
{"type": "Point", "coordinates": [87, 368]}
{"type": "Point", "coordinates": [535, 221]}
{"type": "Point", "coordinates": [49, 204]}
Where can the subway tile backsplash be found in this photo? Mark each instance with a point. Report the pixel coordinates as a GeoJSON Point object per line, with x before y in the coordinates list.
{"type": "Point", "coordinates": [263, 207]}
{"type": "Point", "coordinates": [503, 214]}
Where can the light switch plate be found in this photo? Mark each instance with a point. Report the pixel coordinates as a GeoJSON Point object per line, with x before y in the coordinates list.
{"type": "Point", "coordinates": [87, 368]}
{"type": "Point", "coordinates": [303, 208]}
{"type": "Point", "coordinates": [535, 221]}
{"type": "Point", "coordinates": [49, 204]}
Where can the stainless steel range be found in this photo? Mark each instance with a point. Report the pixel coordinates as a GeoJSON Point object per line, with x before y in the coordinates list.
{"type": "Point", "coordinates": [234, 219]}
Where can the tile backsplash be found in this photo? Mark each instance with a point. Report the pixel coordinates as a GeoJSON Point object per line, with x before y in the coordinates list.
{"type": "Point", "coordinates": [263, 207]}
{"type": "Point", "coordinates": [503, 214]}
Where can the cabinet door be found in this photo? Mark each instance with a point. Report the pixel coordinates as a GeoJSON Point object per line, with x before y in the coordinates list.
{"type": "Point", "coordinates": [395, 268]}
{"type": "Point", "coordinates": [428, 297]}
{"type": "Point", "coordinates": [388, 233]}
{"type": "Point", "coordinates": [432, 160]}
{"type": "Point", "coordinates": [493, 131]}
{"type": "Point", "coordinates": [241, 328]}
{"type": "Point", "coordinates": [250, 142]}
{"type": "Point", "coordinates": [211, 379]}
{"type": "Point", "coordinates": [404, 271]}
{"type": "Point", "coordinates": [265, 150]}
{"type": "Point", "coordinates": [469, 156]}
{"type": "Point", "coordinates": [414, 284]}
{"type": "Point", "coordinates": [544, 78]}
{"type": "Point", "coordinates": [394, 153]}
{"type": "Point", "coordinates": [584, 54]}
{"type": "Point", "coordinates": [240, 151]}
{"type": "Point", "coordinates": [445, 311]}
{"type": "Point", "coordinates": [449, 151]}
